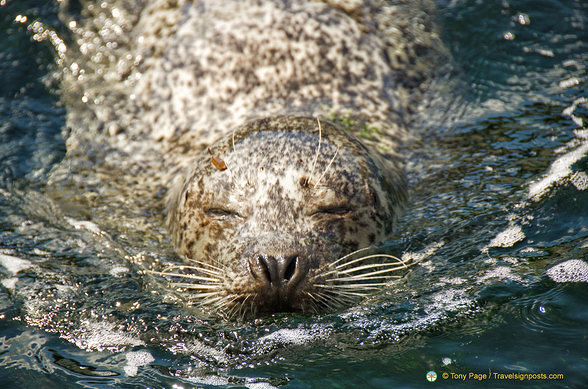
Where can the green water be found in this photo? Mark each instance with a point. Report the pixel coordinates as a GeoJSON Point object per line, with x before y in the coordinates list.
{"type": "Point", "coordinates": [76, 312]}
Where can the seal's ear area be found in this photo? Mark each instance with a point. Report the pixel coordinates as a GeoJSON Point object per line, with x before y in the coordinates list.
{"type": "Point", "coordinates": [172, 201]}
{"type": "Point", "coordinates": [393, 179]}
{"type": "Point", "coordinates": [395, 187]}
{"type": "Point", "coordinates": [178, 191]}
{"type": "Point", "coordinates": [390, 191]}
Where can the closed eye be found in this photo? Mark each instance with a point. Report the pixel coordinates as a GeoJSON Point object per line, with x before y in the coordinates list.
{"type": "Point", "coordinates": [335, 210]}
{"type": "Point", "coordinates": [221, 213]}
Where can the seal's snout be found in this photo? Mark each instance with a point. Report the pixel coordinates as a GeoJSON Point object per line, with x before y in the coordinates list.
{"type": "Point", "coordinates": [279, 277]}
{"type": "Point", "coordinates": [278, 272]}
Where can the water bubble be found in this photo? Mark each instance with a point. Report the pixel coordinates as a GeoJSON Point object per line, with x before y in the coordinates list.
{"type": "Point", "coordinates": [135, 359]}
{"type": "Point", "coordinates": [14, 264]}
{"type": "Point", "coordinates": [508, 237]}
{"type": "Point", "coordinates": [573, 270]}
{"type": "Point", "coordinates": [579, 180]}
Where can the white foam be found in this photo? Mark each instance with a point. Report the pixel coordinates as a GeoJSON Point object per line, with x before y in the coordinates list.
{"type": "Point", "coordinates": [573, 270]}
{"type": "Point", "coordinates": [412, 257]}
{"type": "Point", "coordinates": [14, 264]}
{"type": "Point", "coordinates": [136, 359]}
{"type": "Point", "coordinates": [260, 385]}
{"type": "Point", "coordinates": [449, 300]}
{"type": "Point", "coordinates": [559, 170]}
{"type": "Point", "coordinates": [442, 304]}
{"type": "Point", "coordinates": [119, 271]}
{"type": "Point", "coordinates": [297, 336]}
{"type": "Point", "coordinates": [507, 238]}
{"type": "Point", "coordinates": [568, 83]}
{"type": "Point", "coordinates": [513, 260]}
{"type": "Point", "coordinates": [100, 336]}
{"type": "Point", "coordinates": [9, 283]}
{"type": "Point", "coordinates": [213, 380]}
{"type": "Point", "coordinates": [438, 308]}
{"type": "Point", "coordinates": [196, 347]}
{"type": "Point", "coordinates": [501, 273]}
{"type": "Point", "coordinates": [84, 225]}
{"type": "Point", "coordinates": [579, 180]}
{"type": "Point", "coordinates": [569, 111]}
{"type": "Point", "coordinates": [451, 281]}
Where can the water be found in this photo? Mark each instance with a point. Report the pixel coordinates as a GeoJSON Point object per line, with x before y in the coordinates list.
{"type": "Point", "coordinates": [498, 212]}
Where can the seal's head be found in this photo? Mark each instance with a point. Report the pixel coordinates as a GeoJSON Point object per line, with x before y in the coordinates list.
{"type": "Point", "coordinates": [267, 219]}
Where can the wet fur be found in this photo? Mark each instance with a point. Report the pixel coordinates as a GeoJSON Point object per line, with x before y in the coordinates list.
{"type": "Point", "coordinates": [269, 200]}
{"type": "Point", "coordinates": [152, 85]}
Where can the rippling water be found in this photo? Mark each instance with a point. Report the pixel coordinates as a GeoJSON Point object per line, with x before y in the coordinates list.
{"type": "Point", "coordinates": [498, 214]}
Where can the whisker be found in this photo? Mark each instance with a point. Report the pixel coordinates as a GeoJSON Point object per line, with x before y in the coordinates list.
{"type": "Point", "coordinates": [327, 168]}
{"type": "Point", "coordinates": [221, 306]}
{"type": "Point", "coordinates": [387, 256]}
{"type": "Point", "coordinates": [217, 301]}
{"type": "Point", "coordinates": [231, 312]}
{"type": "Point", "coordinates": [311, 308]}
{"type": "Point", "coordinates": [229, 298]}
{"type": "Point", "coordinates": [211, 301]}
{"type": "Point", "coordinates": [218, 306]}
{"type": "Point", "coordinates": [251, 308]}
{"type": "Point", "coordinates": [187, 285]}
{"type": "Point", "coordinates": [342, 298]}
{"type": "Point", "coordinates": [349, 255]}
{"type": "Point", "coordinates": [310, 295]}
{"type": "Point", "coordinates": [201, 297]}
{"type": "Point", "coordinates": [188, 276]}
{"type": "Point", "coordinates": [202, 263]}
{"type": "Point", "coordinates": [363, 278]}
{"type": "Point", "coordinates": [318, 150]}
{"type": "Point", "coordinates": [350, 278]}
{"type": "Point", "coordinates": [391, 267]}
{"type": "Point", "coordinates": [237, 309]}
{"type": "Point", "coordinates": [204, 288]}
{"type": "Point", "coordinates": [347, 293]}
{"type": "Point", "coordinates": [385, 268]}
{"type": "Point", "coordinates": [313, 303]}
{"type": "Point", "coordinates": [330, 301]}
{"type": "Point", "coordinates": [355, 286]}
{"type": "Point", "coordinates": [383, 272]}
{"type": "Point", "coordinates": [210, 267]}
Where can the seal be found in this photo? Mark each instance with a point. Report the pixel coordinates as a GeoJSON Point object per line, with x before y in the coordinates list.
{"type": "Point", "coordinates": [267, 227]}
{"type": "Point", "coordinates": [275, 214]}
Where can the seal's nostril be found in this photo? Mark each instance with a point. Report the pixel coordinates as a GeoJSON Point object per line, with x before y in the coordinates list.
{"type": "Point", "coordinates": [276, 271]}
{"type": "Point", "coordinates": [266, 271]}
{"type": "Point", "coordinates": [290, 264]}
{"type": "Point", "coordinates": [268, 268]}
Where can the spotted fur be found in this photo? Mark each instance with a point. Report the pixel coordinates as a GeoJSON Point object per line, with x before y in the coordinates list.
{"type": "Point", "coordinates": [153, 84]}
{"type": "Point", "coordinates": [269, 202]}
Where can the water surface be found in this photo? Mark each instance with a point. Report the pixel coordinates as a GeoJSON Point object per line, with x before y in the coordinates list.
{"type": "Point", "coordinates": [498, 214]}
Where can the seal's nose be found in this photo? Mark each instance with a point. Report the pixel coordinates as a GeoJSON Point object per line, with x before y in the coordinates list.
{"type": "Point", "coordinates": [284, 272]}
